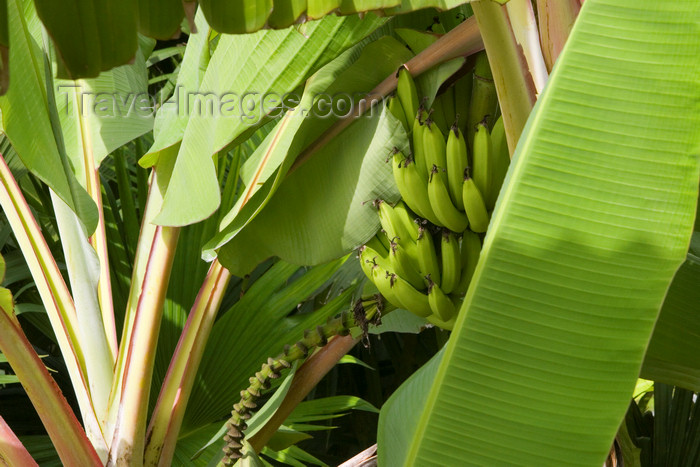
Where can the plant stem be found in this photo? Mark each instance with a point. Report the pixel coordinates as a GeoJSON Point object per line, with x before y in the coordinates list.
{"type": "Point", "coordinates": [67, 435]}
{"type": "Point", "coordinates": [556, 18]}
{"type": "Point", "coordinates": [98, 240]}
{"type": "Point", "coordinates": [54, 295]}
{"type": "Point", "coordinates": [147, 236]}
{"type": "Point", "coordinates": [514, 83]}
{"type": "Point", "coordinates": [524, 26]}
{"type": "Point", "coordinates": [83, 265]}
{"type": "Point", "coordinates": [126, 426]}
{"type": "Point", "coordinates": [130, 427]}
{"type": "Point", "coordinates": [305, 379]}
{"type": "Point", "coordinates": [176, 389]}
{"type": "Point", "coordinates": [12, 451]}
{"type": "Point", "coordinates": [363, 312]}
{"type": "Point", "coordinates": [462, 41]}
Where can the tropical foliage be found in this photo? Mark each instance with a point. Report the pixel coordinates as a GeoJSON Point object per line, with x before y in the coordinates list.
{"type": "Point", "coordinates": [178, 212]}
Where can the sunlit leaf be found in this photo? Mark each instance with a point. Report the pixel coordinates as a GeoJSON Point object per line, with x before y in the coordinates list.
{"type": "Point", "coordinates": [316, 222]}
{"type": "Point", "coordinates": [237, 93]}
{"type": "Point", "coordinates": [25, 114]}
{"type": "Point", "coordinates": [592, 223]}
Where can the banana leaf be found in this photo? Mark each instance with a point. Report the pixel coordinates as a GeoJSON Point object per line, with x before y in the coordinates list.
{"type": "Point", "coordinates": [352, 74]}
{"type": "Point", "coordinates": [235, 95]}
{"type": "Point", "coordinates": [91, 36]}
{"type": "Point", "coordinates": [350, 172]}
{"type": "Point", "coordinates": [25, 114]}
{"type": "Point", "coordinates": [160, 19]}
{"type": "Point", "coordinates": [594, 219]}
{"type": "Point", "coordinates": [675, 344]}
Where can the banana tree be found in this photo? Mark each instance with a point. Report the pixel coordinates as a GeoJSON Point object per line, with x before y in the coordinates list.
{"type": "Point", "coordinates": [603, 185]}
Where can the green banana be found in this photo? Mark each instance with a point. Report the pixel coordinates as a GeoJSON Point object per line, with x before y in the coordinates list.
{"type": "Point", "coordinates": [405, 264]}
{"type": "Point", "coordinates": [418, 144]}
{"type": "Point", "coordinates": [402, 231]}
{"type": "Point", "coordinates": [451, 261]}
{"type": "Point", "coordinates": [483, 155]}
{"type": "Point", "coordinates": [469, 252]}
{"type": "Point", "coordinates": [378, 269]}
{"type": "Point", "coordinates": [439, 197]}
{"type": "Point", "coordinates": [446, 325]}
{"type": "Point", "coordinates": [394, 106]}
{"type": "Point", "coordinates": [319, 8]}
{"type": "Point", "coordinates": [407, 93]}
{"type": "Point", "coordinates": [413, 187]}
{"type": "Point", "coordinates": [390, 223]}
{"type": "Point", "coordinates": [411, 299]}
{"type": "Point", "coordinates": [457, 161]}
{"type": "Point", "coordinates": [437, 113]}
{"type": "Point", "coordinates": [500, 162]}
{"type": "Point", "coordinates": [434, 145]}
{"type": "Point", "coordinates": [463, 93]}
{"type": "Point", "coordinates": [401, 177]}
{"type": "Point", "coordinates": [379, 243]}
{"type": "Point", "coordinates": [407, 225]}
{"type": "Point", "coordinates": [484, 100]}
{"type": "Point", "coordinates": [474, 205]}
{"type": "Point", "coordinates": [427, 256]}
{"type": "Point", "coordinates": [440, 303]}
{"type": "Point", "coordinates": [285, 13]}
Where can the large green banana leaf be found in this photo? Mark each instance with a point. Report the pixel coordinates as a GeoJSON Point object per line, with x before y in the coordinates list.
{"type": "Point", "coordinates": [319, 221]}
{"type": "Point", "coordinates": [672, 356]}
{"type": "Point", "coordinates": [594, 220]}
{"type": "Point", "coordinates": [92, 36]}
{"type": "Point", "coordinates": [353, 72]}
{"type": "Point", "coordinates": [349, 172]}
{"type": "Point", "coordinates": [170, 122]}
{"type": "Point", "coordinates": [25, 114]}
{"type": "Point", "coordinates": [244, 74]}
{"type": "Point", "coordinates": [104, 112]}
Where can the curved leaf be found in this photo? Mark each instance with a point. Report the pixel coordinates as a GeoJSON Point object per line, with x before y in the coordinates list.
{"type": "Point", "coordinates": [593, 221]}
{"type": "Point", "coordinates": [243, 77]}
{"type": "Point", "coordinates": [672, 354]}
{"type": "Point", "coordinates": [170, 122]}
{"type": "Point", "coordinates": [91, 36]}
{"type": "Point", "coordinates": [342, 80]}
{"type": "Point", "coordinates": [324, 209]}
{"type": "Point", "coordinates": [399, 417]}
{"type": "Point", "coordinates": [25, 114]}
{"type": "Point", "coordinates": [349, 222]}
{"type": "Point", "coordinates": [160, 18]}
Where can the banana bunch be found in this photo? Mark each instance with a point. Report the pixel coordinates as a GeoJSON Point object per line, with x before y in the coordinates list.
{"type": "Point", "coordinates": [425, 256]}
{"type": "Point", "coordinates": [438, 182]}
{"type": "Point", "coordinates": [418, 266]}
